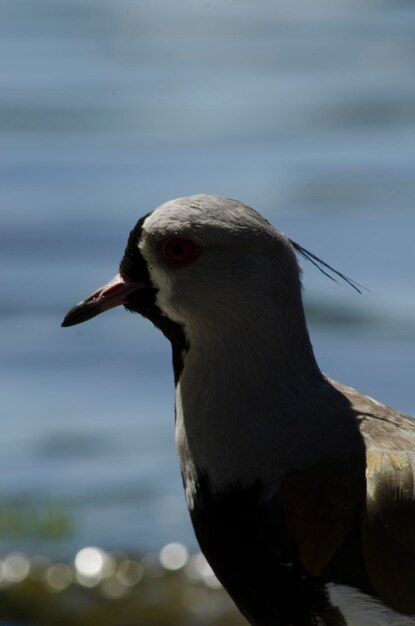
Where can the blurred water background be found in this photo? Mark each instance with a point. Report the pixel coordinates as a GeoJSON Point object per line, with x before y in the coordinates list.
{"type": "Point", "coordinates": [305, 110]}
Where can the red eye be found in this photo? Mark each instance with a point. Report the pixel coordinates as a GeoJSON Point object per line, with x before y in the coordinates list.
{"type": "Point", "coordinates": [179, 251]}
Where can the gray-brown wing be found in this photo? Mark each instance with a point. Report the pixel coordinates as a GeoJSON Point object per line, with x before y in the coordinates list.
{"type": "Point", "coordinates": [388, 532]}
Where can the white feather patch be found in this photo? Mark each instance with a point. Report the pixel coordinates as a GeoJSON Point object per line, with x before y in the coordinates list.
{"type": "Point", "coordinates": [359, 609]}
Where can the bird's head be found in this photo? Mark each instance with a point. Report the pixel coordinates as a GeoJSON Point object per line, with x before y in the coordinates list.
{"type": "Point", "coordinates": [200, 261]}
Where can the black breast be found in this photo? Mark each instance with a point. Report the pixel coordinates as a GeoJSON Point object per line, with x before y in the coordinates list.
{"type": "Point", "coordinates": [247, 543]}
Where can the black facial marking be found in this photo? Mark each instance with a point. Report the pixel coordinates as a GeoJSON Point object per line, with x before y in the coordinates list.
{"type": "Point", "coordinates": [133, 267]}
{"type": "Point", "coordinates": [247, 543]}
{"type": "Point", "coordinates": [133, 264]}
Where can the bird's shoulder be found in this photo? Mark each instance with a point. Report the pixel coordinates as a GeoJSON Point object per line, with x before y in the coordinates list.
{"type": "Point", "coordinates": [384, 429]}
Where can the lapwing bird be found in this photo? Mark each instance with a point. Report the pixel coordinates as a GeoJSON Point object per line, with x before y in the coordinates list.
{"type": "Point", "coordinates": [301, 490]}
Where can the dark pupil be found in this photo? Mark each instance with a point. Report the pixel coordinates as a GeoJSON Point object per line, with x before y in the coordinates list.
{"type": "Point", "coordinates": [177, 249]}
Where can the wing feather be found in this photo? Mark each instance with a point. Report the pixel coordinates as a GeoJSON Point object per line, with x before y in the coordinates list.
{"type": "Point", "coordinates": [354, 529]}
{"type": "Point", "coordinates": [388, 527]}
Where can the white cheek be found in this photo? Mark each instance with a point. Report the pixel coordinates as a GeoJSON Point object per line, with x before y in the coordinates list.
{"type": "Point", "coordinates": [165, 290]}
{"type": "Point", "coordinates": [359, 609]}
{"type": "Point", "coordinates": [172, 297]}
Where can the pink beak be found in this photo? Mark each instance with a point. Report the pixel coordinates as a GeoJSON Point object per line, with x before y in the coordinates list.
{"type": "Point", "coordinates": [113, 294]}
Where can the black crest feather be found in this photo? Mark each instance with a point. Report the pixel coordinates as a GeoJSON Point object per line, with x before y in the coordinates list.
{"type": "Point", "coordinates": [325, 268]}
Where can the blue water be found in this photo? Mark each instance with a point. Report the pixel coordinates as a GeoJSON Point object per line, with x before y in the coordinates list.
{"type": "Point", "coordinates": [304, 110]}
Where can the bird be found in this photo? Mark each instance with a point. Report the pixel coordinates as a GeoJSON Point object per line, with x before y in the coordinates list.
{"type": "Point", "coordinates": [301, 490]}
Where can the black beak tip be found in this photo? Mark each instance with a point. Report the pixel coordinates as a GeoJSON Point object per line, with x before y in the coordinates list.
{"type": "Point", "coordinates": [80, 313]}
{"type": "Point", "coordinates": [67, 321]}
{"type": "Point", "coordinates": [70, 318]}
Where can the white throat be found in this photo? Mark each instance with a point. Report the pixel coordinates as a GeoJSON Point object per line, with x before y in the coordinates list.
{"type": "Point", "coordinates": [239, 413]}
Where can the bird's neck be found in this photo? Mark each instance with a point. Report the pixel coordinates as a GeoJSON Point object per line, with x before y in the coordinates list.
{"type": "Point", "coordinates": [243, 400]}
